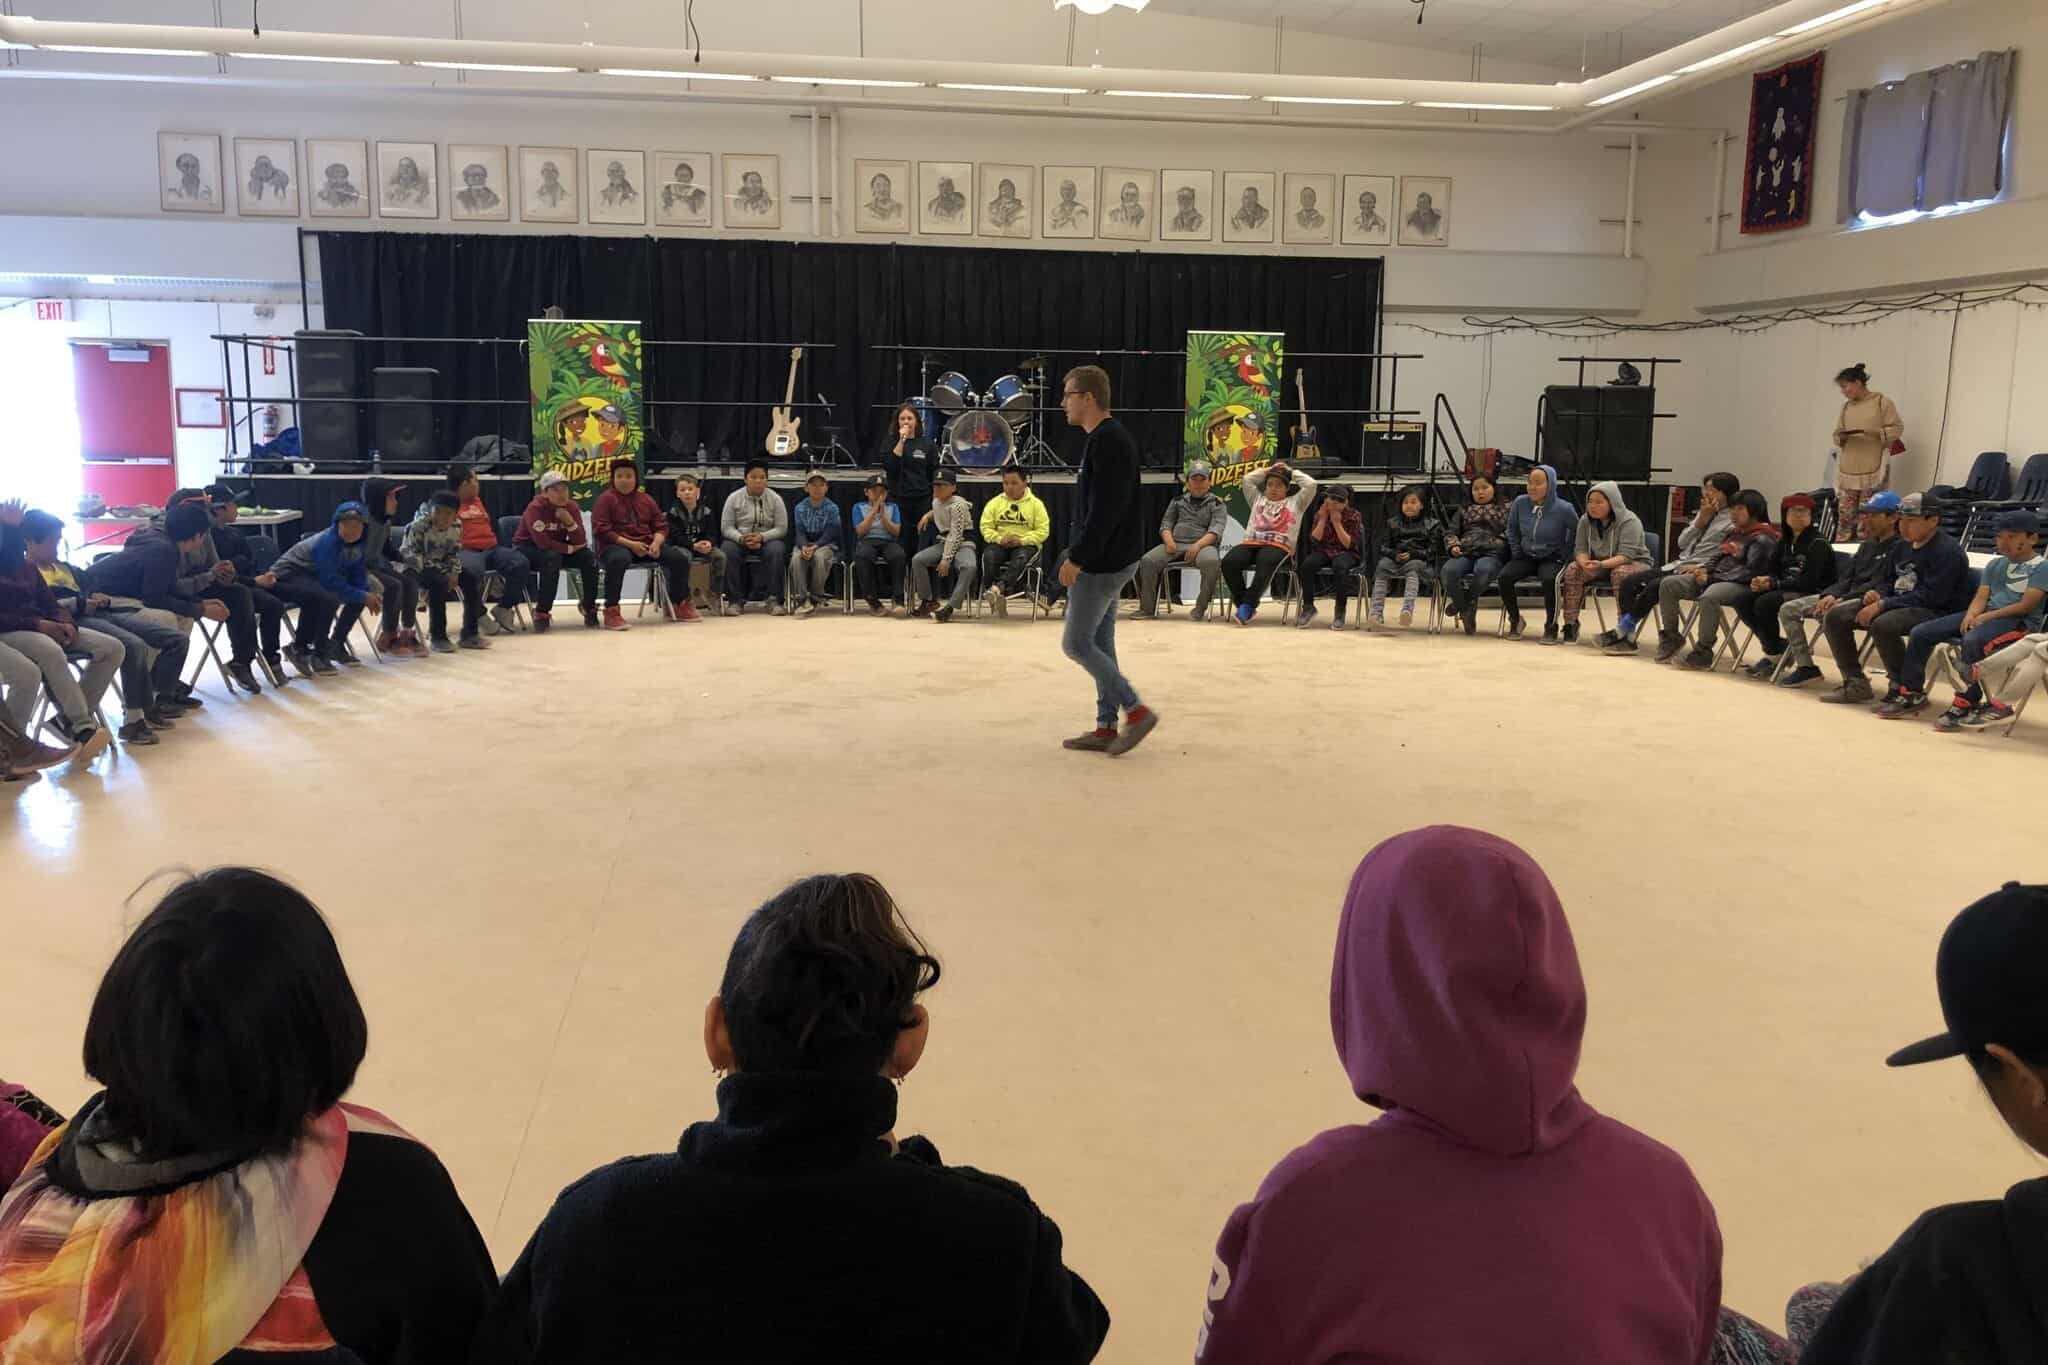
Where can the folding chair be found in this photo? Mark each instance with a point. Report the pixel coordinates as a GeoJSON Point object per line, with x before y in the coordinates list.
{"type": "Point", "coordinates": [656, 589]}
{"type": "Point", "coordinates": [45, 705]}
{"type": "Point", "coordinates": [1034, 577]}
{"type": "Point", "coordinates": [507, 528]}
{"type": "Point", "coordinates": [2020, 704]}
{"type": "Point", "coordinates": [1604, 588]}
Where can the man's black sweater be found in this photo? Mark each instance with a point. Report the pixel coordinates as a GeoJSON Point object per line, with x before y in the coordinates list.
{"type": "Point", "coordinates": [785, 1230]}
{"type": "Point", "coordinates": [1108, 530]}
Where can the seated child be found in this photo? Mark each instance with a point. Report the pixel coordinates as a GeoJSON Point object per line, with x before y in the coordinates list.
{"type": "Point", "coordinates": [951, 551]}
{"type": "Point", "coordinates": [818, 526]}
{"type": "Point", "coordinates": [1014, 527]}
{"type": "Point", "coordinates": [398, 627]}
{"type": "Point", "coordinates": [1410, 544]}
{"type": "Point", "coordinates": [878, 557]}
{"type": "Point", "coordinates": [693, 529]}
{"type": "Point", "coordinates": [433, 547]}
{"type": "Point", "coordinates": [630, 530]}
{"type": "Point", "coordinates": [2008, 605]}
{"type": "Point", "coordinates": [1278, 496]}
{"type": "Point", "coordinates": [1336, 545]}
{"type": "Point", "coordinates": [235, 549]}
{"type": "Point", "coordinates": [551, 538]}
{"type": "Point", "coordinates": [328, 576]}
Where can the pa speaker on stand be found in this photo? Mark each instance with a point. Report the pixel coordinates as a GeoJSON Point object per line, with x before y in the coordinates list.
{"type": "Point", "coordinates": [330, 381]}
{"type": "Point", "coordinates": [403, 420]}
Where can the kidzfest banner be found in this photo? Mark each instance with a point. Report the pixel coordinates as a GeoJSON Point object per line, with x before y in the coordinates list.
{"type": "Point", "coordinates": [1231, 420]}
{"type": "Point", "coordinates": [583, 383]}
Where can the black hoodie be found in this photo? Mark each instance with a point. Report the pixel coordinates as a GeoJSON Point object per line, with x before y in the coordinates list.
{"type": "Point", "coordinates": [380, 551]}
{"type": "Point", "coordinates": [1802, 564]}
{"type": "Point", "coordinates": [785, 1231]}
{"type": "Point", "coordinates": [1967, 1284]}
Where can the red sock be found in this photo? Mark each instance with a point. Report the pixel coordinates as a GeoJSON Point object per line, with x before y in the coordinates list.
{"type": "Point", "coordinates": [1106, 731]}
{"type": "Point", "coordinates": [1135, 713]}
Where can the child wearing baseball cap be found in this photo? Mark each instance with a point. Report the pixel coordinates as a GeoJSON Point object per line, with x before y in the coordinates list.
{"type": "Point", "coordinates": [1967, 1282]}
{"type": "Point", "coordinates": [2010, 600]}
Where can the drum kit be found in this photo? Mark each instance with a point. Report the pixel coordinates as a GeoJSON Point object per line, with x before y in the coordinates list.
{"type": "Point", "coordinates": [998, 426]}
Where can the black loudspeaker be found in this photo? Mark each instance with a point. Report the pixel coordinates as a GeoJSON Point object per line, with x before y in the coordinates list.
{"type": "Point", "coordinates": [402, 418]}
{"type": "Point", "coordinates": [1598, 431]}
{"type": "Point", "coordinates": [329, 367]}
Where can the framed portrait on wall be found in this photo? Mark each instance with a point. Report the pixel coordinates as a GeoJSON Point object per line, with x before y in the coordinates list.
{"type": "Point", "coordinates": [945, 198]}
{"type": "Point", "coordinates": [1368, 210]}
{"type": "Point", "coordinates": [1129, 203]}
{"type": "Point", "coordinates": [1005, 206]}
{"type": "Point", "coordinates": [1248, 202]}
{"type": "Point", "coordinates": [683, 196]}
{"type": "Point", "coordinates": [882, 194]}
{"type": "Point", "coordinates": [1187, 206]}
{"type": "Point", "coordinates": [617, 183]}
{"type": "Point", "coordinates": [337, 169]}
{"type": "Point", "coordinates": [188, 173]}
{"type": "Point", "coordinates": [267, 177]}
{"type": "Point", "coordinates": [1308, 208]}
{"type": "Point", "coordinates": [547, 185]}
{"type": "Point", "coordinates": [1068, 193]}
{"type": "Point", "coordinates": [753, 189]}
{"type": "Point", "coordinates": [407, 180]}
{"type": "Point", "coordinates": [1425, 210]}
{"type": "Point", "coordinates": [484, 171]}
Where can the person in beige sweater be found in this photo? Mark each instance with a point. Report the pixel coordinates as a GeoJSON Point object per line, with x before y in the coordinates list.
{"type": "Point", "coordinates": [1865, 434]}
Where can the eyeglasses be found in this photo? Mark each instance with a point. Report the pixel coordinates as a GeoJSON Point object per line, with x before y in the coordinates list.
{"type": "Point", "coordinates": [1070, 393]}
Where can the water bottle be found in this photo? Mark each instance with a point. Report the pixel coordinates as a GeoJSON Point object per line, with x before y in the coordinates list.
{"type": "Point", "coordinates": [376, 460]}
{"type": "Point", "coordinates": [703, 453]}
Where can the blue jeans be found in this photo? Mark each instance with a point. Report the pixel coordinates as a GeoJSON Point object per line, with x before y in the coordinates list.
{"type": "Point", "coordinates": [1484, 570]}
{"type": "Point", "coordinates": [1925, 636]}
{"type": "Point", "coordinates": [1090, 640]}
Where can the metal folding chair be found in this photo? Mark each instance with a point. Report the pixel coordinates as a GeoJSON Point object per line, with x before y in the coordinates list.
{"type": "Point", "coordinates": [1034, 578]}
{"type": "Point", "coordinates": [45, 704]}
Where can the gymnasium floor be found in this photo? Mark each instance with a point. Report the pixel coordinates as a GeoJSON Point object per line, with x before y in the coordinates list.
{"type": "Point", "coordinates": [535, 860]}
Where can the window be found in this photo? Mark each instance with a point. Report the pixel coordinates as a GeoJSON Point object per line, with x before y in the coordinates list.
{"type": "Point", "coordinates": [1934, 141]}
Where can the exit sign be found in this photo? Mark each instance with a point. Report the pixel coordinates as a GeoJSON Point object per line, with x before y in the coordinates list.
{"type": "Point", "coordinates": [53, 310]}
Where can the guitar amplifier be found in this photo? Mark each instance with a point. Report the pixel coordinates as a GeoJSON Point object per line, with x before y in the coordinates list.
{"type": "Point", "coordinates": [1397, 450]}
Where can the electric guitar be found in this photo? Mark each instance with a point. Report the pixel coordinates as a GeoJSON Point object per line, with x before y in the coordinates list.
{"type": "Point", "coordinates": [782, 438]}
{"type": "Point", "coordinates": [1306, 447]}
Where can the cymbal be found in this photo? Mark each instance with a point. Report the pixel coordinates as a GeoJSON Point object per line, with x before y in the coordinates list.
{"type": "Point", "coordinates": [1037, 362]}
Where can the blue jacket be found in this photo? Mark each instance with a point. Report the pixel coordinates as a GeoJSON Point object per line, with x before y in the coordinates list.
{"type": "Point", "coordinates": [341, 568]}
{"type": "Point", "coordinates": [1936, 576]}
{"type": "Point", "coordinates": [1545, 534]}
{"type": "Point", "coordinates": [816, 525]}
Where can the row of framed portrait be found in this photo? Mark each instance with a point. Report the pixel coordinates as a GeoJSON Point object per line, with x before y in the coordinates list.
{"type": "Point", "coordinates": [342, 179]}
{"type": "Point", "coordinates": [1123, 203]}
{"type": "Point", "coordinates": [405, 180]}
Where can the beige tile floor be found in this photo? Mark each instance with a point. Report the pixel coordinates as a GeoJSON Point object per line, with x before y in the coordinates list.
{"type": "Point", "coordinates": [535, 860]}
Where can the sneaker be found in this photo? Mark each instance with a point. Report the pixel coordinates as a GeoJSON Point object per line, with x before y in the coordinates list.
{"type": "Point", "coordinates": [1762, 669]}
{"type": "Point", "coordinates": [1515, 628]}
{"type": "Point", "coordinates": [1137, 725]}
{"type": "Point", "coordinates": [137, 732]}
{"type": "Point", "coordinates": [1604, 639]}
{"type": "Point", "coordinates": [273, 669]}
{"type": "Point", "coordinates": [1955, 717]}
{"type": "Point", "coordinates": [943, 614]}
{"type": "Point", "coordinates": [1095, 741]}
{"type": "Point", "coordinates": [1987, 713]}
{"type": "Point", "coordinates": [301, 657]}
{"type": "Point", "coordinates": [1307, 618]}
{"type": "Point", "coordinates": [179, 698]}
{"type": "Point", "coordinates": [339, 652]}
{"type": "Point", "coordinates": [874, 606]}
{"type": "Point", "coordinates": [1571, 633]}
{"type": "Point", "coordinates": [1668, 647]}
{"type": "Point", "coordinates": [805, 610]}
{"type": "Point", "coordinates": [86, 741]}
{"type": "Point", "coordinates": [1848, 691]}
{"type": "Point", "coordinates": [475, 642]}
{"type": "Point", "coordinates": [777, 609]}
{"type": "Point", "coordinates": [158, 718]}
{"type": "Point", "coordinates": [442, 645]}
{"type": "Point", "coordinates": [1407, 616]}
{"type": "Point", "coordinates": [1245, 612]}
{"type": "Point", "coordinates": [323, 667]}
{"type": "Point", "coordinates": [613, 620]}
{"type": "Point", "coordinates": [686, 612]}
{"type": "Point", "coordinates": [245, 679]}
{"type": "Point", "coordinates": [541, 621]}
{"type": "Point", "coordinates": [1886, 699]}
{"type": "Point", "coordinates": [992, 599]}
{"type": "Point", "coordinates": [1002, 603]}
{"type": "Point", "coordinates": [923, 609]}
{"type": "Point", "coordinates": [1799, 677]}
{"type": "Point", "coordinates": [590, 621]}
{"type": "Point", "coordinates": [409, 641]}
{"type": "Point", "coordinates": [1201, 612]}
{"type": "Point", "coordinates": [507, 618]}
{"type": "Point", "coordinates": [23, 756]}
{"type": "Point", "coordinates": [900, 612]}
{"type": "Point", "coordinates": [1550, 633]}
{"type": "Point", "coordinates": [730, 609]}
{"type": "Point", "coordinates": [1902, 704]}
{"type": "Point", "coordinates": [1337, 621]}
{"type": "Point", "coordinates": [1696, 658]}
{"type": "Point", "coordinates": [1619, 646]}
{"type": "Point", "coordinates": [387, 642]}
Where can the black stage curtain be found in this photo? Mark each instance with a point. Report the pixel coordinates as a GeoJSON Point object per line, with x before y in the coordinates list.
{"type": "Point", "coordinates": [855, 298]}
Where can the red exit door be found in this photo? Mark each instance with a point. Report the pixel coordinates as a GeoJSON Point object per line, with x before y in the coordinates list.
{"type": "Point", "coordinates": [127, 429]}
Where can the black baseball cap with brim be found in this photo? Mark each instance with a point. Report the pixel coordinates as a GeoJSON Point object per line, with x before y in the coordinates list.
{"type": "Point", "coordinates": [1991, 972]}
{"type": "Point", "coordinates": [945, 476]}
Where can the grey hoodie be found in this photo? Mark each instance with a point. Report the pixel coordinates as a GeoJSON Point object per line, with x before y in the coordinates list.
{"type": "Point", "coordinates": [1697, 545]}
{"type": "Point", "coordinates": [1622, 535]}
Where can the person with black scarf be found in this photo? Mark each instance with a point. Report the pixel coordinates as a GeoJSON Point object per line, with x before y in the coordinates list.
{"type": "Point", "coordinates": [1802, 565]}
{"type": "Point", "coordinates": [796, 1226]}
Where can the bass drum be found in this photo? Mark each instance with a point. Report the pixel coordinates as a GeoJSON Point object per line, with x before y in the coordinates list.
{"type": "Point", "coordinates": [928, 425]}
{"type": "Point", "coordinates": [1009, 396]}
{"type": "Point", "coordinates": [952, 392]}
{"type": "Point", "coordinates": [980, 440]}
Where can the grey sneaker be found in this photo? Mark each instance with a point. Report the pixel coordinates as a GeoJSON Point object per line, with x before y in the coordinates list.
{"type": "Point", "coordinates": [507, 619]}
{"type": "Point", "coordinates": [441, 644]}
{"type": "Point", "coordinates": [1307, 618]}
{"type": "Point", "coordinates": [1697, 658]}
{"type": "Point", "coordinates": [1668, 647]}
{"type": "Point", "coordinates": [1850, 690]}
{"type": "Point", "coordinates": [777, 609]}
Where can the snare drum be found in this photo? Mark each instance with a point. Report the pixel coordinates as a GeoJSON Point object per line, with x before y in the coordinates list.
{"type": "Point", "coordinates": [951, 391]}
{"type": "Point", "coordinates": [980, 440]}
{"type": "Point", "coordinates": [1008, 395]}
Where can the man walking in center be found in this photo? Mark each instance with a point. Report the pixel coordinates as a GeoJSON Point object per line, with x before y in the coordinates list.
{"type": "Point", "coordinates": [1103, 548]}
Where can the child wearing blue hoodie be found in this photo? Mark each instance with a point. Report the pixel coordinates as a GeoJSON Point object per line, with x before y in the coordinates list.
{"type": "Point", "coordinates": [328, 578]}
{"type": "Point", "coordinates": [1541, 527]}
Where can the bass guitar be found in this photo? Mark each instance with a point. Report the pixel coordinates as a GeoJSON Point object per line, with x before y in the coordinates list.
{"type": "Point", "coordinates": [782, 438]}
{"type": "Point", "coordinates": [1306, 446]}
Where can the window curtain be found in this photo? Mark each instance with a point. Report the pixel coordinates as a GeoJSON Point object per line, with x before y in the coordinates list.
{"type": "Point", "coordinates": [1933, 139]}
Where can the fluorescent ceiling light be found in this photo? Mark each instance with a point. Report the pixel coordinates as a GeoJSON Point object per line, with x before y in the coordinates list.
{"type": "Point", "coordinates": [493, 66]}
{"type": "Point", "coordinates": [1174, 95]}
{"type": "Point", "coordinates": [1461, 104]}
{"type": "Point", "coordinates": [846, 80]}
{"type": "Point", "coordinates": [1730, 55]}
{"type": "Point", "coordinates": [124, 51]}
{"type": "Point", "coordinates": [1830, 17]}
{"type": "Point", "coordinates": [1637, 89]}
{"type": "Point", "coordinates": [1323, 99]}
{"type": "Point", "coordinates": [101, 279]}
{"type": "Point", "coordinates": [302, 57]}
{"type": "Point", "coordinates": [1016, 89]}
{"type": "Point", "coordinates": [674, 75]}
{"type": "Point", "coordinates": [1099, 6]}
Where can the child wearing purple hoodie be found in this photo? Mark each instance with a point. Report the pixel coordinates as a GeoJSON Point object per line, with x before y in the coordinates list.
{"type": "Point", "coordinates": [1488, 1213]}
